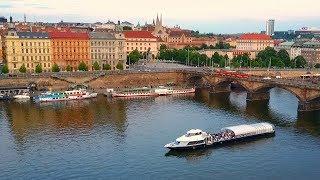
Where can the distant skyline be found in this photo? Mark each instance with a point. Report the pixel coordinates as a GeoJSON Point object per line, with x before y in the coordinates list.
{"type": "Point", "coordinates": [228, 16]}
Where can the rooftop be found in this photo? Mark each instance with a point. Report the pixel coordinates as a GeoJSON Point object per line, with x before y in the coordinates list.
{"type": "Point", "coordinates": [138, 34]}
{"type": "Point", "coordinates": [253, 36]}
{"type": "Point", "coordinates": [179, 33]}
{"type": "Point", "coordinates": [56, 34]}
{"type": "Point", "coordinates": [33, 35]}
{"type": "Point", "coordinates": [102, 35]}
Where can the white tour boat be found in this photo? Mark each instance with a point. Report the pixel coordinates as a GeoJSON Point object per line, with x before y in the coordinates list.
{"type": "Point", "coordinates": [196, 138]}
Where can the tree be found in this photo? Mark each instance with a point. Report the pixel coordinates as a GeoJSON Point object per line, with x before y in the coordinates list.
{"type": "Point", "coordinates": [55, 68]}
{"type": "Point", "coordinates": [300, 62]}
{"type": "Point", "coordinates": [127, 28]}
{"type": "Point", "coordinates": [204, 46]}
{"type": "Point", "coordinates": [216, 57]}
{"type": "Point", "coordinates": [284, 57]}
{"type": "Point", "coordinates": [134, 56]}
{"type": "Point", "coordinates": [267, 55]}
{"type": "Point", "coordinates": [163, 47]}
{"type": "Point", "coordinates": [106, 67]}
{"type": "Point", "coordinates": [119, 66]}
{"type": "Point", "coordinates": [68, 68]}
{"type": "Point", "coordinates": [96, 66]}
{"type": "Point", "coordinates": [317, 65]}
{"type": "Point", "coordinates": [222, 62]}
{"type": "Point", "coordinates": [23, 68]}
{"type": "Point", "coordinates": [38, 68]}
{"type": "Point", "coordinates": [82, 67]}
{"type": "Point", "coordinates": [5, 69]}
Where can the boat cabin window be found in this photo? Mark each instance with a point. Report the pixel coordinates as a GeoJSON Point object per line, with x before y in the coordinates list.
{"type": "Point", "coordinates": [193, 134]}
{"type": "Point", "coordinates": [196, 142]}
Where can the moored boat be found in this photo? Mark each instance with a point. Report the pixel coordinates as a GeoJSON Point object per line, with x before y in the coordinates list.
{"type": "Point", "coordinates": [24, 96]}
{"type": "Point", "coordinates": [163, 91]}
{"type": "Point", "coordinates": [159, 91]}
{"type": "Point", "coordinates": [184, 91]}
{"type": "Point", "coordinates": [196, 138]}
{"type": "Point", "coordinates": [137, 92]}
{"type": "Point", "coordinates": [65, 96]}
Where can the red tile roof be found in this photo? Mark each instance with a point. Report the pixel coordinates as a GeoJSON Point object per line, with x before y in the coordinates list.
{"type": "Point", "coordinates": [138, 34]}
{"type": "Point", "coordinates": [56, 34]}
{"type": "Point", "coordinates": [179, 33]}
{"type": "Point", "coordinates": [255, 37]}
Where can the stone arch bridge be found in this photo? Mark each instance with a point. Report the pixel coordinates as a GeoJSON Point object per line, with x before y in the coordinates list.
{"type": "Point", "coordinates": [257, 88]}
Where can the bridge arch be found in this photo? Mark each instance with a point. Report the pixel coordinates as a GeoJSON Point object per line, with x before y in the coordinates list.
{"type": "Point", "coordinates": [226, 81]}
{"type": "Point", "coordinates": [268, 87]}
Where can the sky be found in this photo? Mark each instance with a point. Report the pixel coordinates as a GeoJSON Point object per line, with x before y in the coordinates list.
{"type": "Point", "coordinates": [217, 16]}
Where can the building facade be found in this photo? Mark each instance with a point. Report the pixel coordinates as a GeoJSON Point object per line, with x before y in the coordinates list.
{"type": "Point", "coordinates": [254, 42]}
{"type": "Point", "coordinates": [69, 49]}
{"type": "Point", "coordinates": [311, 52]}
{"type": "Point", "coordinates": [178, 39]}
{"type": "Point", "coordinates": [107, 48]}
{"type": "Point", "coordinates": [1, 49]}
{"type": "Point", "coordinates": [29, 49]}
{"type": "Point", "coordinates": [143, 41]}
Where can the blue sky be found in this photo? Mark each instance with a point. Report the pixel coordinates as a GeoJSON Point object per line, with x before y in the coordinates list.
{"type": "Point", "coordinates": [218, 16]}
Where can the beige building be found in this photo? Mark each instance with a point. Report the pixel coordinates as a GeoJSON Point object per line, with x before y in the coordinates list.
{"type": "Point", "coordinates": [143, 41]}
{"type": "Point", "coordinates": [107, 48]}
{"type": "Point", "coordinates": [254, 42]}
{"type": "Point", "coordinates": [221, 52]}
{"type": "Point", "coordinates": [28, 48]}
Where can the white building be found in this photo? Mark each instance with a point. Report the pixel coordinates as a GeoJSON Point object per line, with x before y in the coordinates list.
{"type": "Point", "coordinates": [270, 27]}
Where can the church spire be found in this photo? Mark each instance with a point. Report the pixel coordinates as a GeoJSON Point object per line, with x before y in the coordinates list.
{"type": "Point", "coordinates": [157, 21]}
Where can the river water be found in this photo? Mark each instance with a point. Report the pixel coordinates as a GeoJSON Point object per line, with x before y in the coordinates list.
{"type": "Point", "coordinates": [123, 139]}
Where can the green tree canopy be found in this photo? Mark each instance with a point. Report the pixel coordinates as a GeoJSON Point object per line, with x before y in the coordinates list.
{"type": "Point", "coordinates": [216, 58]}
{"type": "Point", "coordinates": [241, 61]}
{"type": "Point", "coordinates": [68, 68]}
{"type": "Point", "coordinates": [119, 66]}
{"type": "Point", "coordinates": [300, 62]}
{"type": "Point", "coordinates": [82, 67]}
{"type": "Point", "coordinates": [163, 47]}
{"type": "Point", "coordinates": [55, 68]}
{"type": "Point", "coordinates": [317, 65]}
{"type": "Point", "coordinates": [5, 69]}
{"type": "Point", "coordinates": [134, 56]}
{"type": "Point", "coordinates": [96, 66]}
{"type": "Point", "coordinates": [284, 57]}
{"type": "Point", "coordinates": [106, 67]}
{"type": "Point", "coordinates": [23, 68]}
{"type": "Point", "coordinates": [38, 68]}
{"type": "Point", "coordinates": [222, 62]}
